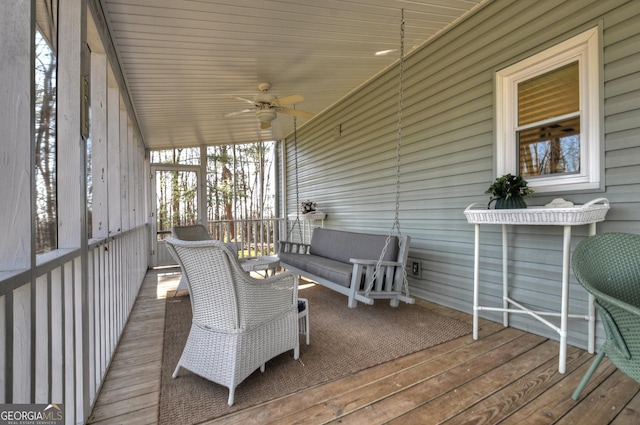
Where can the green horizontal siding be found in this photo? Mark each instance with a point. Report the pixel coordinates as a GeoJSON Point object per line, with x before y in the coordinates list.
{"type": "Point", "coordinates": [447, 155]}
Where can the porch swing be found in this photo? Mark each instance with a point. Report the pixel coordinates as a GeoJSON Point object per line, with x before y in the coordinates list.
{"type": "Point", "coordinates": [377, 278]}
{"type": "Point", "coordinates": [345, 261]}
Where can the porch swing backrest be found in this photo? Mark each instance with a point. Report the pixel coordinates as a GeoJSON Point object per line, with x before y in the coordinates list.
{"type": "Point", "coordinates": [343, 246]}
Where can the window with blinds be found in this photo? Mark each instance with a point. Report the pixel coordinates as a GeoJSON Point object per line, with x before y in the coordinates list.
{"type": "Point", "coordinates": [548, 132]}
{"type": "Point", "coordinates": [548, 118]}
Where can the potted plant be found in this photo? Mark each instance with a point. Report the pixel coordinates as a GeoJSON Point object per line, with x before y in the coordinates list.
{"type": "Point", "coordinates": [308, 207]}
{"type": "Point", "coordinates": [509, 191]}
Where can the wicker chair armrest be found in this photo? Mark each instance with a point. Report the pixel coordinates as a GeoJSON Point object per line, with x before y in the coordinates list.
{"type": "Point", "coordinates": [618, 303]}
{"type": "Point", "coordinates": [261, 299]}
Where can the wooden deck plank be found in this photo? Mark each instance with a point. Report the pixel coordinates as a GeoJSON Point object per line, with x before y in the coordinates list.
{"type": "Point", "coordinates": [394, 408]}
{"type": "Point", "coordinates": [512, 397]}
{"type": "Point", "coordinates": [144, 416]}
{"type": "Point", "coordinates": [131, 390]}
{"type": "Point", "coordinates": [300, 406]}
{"type": "Point", "coordinates": [615, 392]}
{"type": "Point", "coordinates": [507, 376]}
{"type": "Point", "coordinates": [630, 414]}
{"type": "Point", "coordinates": [114, 393]}
{"type": "Point", "coordinates": [551, 406]}
{"type": "Point", "coordinates": [131, 404]}
{"type": "Point", "coordinates": [404, 381]}
{"type": "Point", "coordinates": [460, 399]}
{"type": "Point", "coordinates": [293, 403]}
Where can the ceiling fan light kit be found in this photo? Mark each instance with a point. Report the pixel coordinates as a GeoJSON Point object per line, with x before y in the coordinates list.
{"type": "Point", "coordinates": [266, 115]}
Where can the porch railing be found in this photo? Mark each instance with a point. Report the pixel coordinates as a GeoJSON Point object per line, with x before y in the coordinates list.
{"type": "Point", "coordinates": [62, 320]}
{"type": "Point", "coordinates": [255, 237]}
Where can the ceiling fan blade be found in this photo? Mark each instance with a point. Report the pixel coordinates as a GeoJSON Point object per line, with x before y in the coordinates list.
{"type": "Point", "coordinates": [243, 99]}
{"type": "Point", "coordinates": [265, 125]}
{"type": "Point", "coordinates": [232, 114]}
{"type": "Point", "coordinates": [295, 112]}
{"type": "Point", "coordinates": [288, 100]}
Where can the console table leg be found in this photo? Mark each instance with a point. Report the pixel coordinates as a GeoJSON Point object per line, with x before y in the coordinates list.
{"type": "Point", "coordinates": [476, 272]}
{"type": "Point", "coordinates": [591, 344]}
{"type": "Point", "coordinates": [505, 275]}
{"type": "Point", "coordinates": [564, 316]}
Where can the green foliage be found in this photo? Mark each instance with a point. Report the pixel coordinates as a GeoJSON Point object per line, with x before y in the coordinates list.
{"type": "Point", "coordinates": [508, 186]}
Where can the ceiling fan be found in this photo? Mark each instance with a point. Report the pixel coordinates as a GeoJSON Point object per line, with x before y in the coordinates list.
{"type": "Point", "coordinates": [267, 106]}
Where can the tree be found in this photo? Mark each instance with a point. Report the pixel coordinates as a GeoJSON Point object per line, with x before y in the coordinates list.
{"type": "Point", "coordinates": [45, 146]}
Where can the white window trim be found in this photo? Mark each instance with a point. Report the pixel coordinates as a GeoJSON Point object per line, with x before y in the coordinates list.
{"type": "Point", "coordinates": [584, 48]}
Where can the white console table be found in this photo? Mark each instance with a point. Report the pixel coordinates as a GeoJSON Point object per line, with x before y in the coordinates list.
{"type": "Point", "coordinates": [307, 223]}
{"type": "Point", "coordinates": [587, 214]}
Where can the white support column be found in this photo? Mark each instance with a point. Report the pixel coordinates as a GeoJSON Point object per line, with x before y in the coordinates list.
{"type": "Point", "coordinates": [73, 70]}
{"type": "Point", "coordinates": [99, 140]}
{"type": "Point", "coordinates": [124, 168]}
{"type": "Point", "coordinates": [70, 144]}
{"type": "Point", "coordinates": [138, 183]}
{"type": "Point", "coordinates": [16, 122]}
{"type": "Point", "coordinates": [131, 164]}
{"type": "Point", "coordinates": [113, 153]}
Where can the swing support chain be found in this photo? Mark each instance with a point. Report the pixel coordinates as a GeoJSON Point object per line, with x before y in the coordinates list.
{"type": "Point", "coordinates": [295, 156]}
{"type": "Point", "coordinates": [396, 221]}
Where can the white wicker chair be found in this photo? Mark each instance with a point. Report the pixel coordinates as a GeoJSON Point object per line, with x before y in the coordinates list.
{"type": "Point", "coordinates": [238, 322]}
{"type": "Point", "coordinates": [192, 232]}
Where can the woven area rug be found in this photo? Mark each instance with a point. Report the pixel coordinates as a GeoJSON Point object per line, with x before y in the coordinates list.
{"type": "Point", "coordinates": [343, 341]}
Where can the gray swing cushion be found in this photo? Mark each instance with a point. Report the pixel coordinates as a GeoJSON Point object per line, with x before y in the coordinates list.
{"type": "Point", "coordinates": [343, 246]}
{"type": "Point", "coordinates": [325, 268]}
{"type": "Point", "coordinates": [331, 251]}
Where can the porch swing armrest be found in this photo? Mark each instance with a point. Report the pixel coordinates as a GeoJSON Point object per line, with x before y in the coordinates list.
{"type": "Point", "coordinates": [293, 247]}
{"type": "Point", "coordinates": [374, 262]}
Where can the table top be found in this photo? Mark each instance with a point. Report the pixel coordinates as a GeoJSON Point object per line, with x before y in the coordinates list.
{"type": "Point", "coordinates": [316, 215]}
{"type": "Point", "coordinates": [591, 212]}
{"type": "Point", "coordinates": [259, 263]}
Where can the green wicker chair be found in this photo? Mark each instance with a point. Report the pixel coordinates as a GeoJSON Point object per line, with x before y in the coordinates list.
{"type": "Point", "coordinates": [608, 266]}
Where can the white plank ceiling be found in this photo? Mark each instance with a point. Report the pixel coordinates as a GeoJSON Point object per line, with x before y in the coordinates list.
{"type": "Point", "coordinates": [185, 60]}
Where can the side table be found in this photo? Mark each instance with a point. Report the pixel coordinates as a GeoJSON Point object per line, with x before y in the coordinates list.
{"type": "Point", "coordinates": [264, 263]}
{"type": "Point", "coordinates": [589, 214]}
{"type": "Point", "coordinates": [307, 223]}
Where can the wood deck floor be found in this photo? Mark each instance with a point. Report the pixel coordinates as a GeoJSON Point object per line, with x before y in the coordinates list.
{"type": "Point", "coordinates": [507, 376]}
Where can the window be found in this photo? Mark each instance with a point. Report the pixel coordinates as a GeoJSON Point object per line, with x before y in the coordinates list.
{"type": "Point", "coordinates": [548, 120]}
{"type": "Point", "coordinates": [45, 105]}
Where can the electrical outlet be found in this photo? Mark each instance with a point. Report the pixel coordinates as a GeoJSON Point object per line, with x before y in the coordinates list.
{"type": "Point", "coordinates": [416, 270]}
